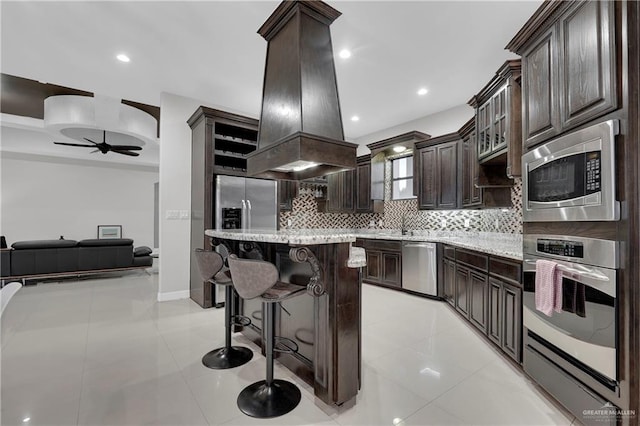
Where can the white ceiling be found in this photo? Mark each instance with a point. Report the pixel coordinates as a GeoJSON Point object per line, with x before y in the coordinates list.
{"type": "Point", "coordinates": [210, 51]}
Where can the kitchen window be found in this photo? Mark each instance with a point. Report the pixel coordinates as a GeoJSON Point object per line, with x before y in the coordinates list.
{"type": "Point", "coordinates": [402, 178]}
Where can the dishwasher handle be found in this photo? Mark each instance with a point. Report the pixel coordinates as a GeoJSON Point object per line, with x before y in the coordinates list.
{"type": "Point", "coordinates": [430, 246]}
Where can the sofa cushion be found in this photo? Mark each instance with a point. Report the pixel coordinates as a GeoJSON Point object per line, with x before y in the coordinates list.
{"type": "Point", "coordinates": [142, 251]}
{"type": "Point", "coordinates": [104, 257]}
{"type": "Point", "coordinates": [40, 244]}
{"type": "Point", "coordinates": [143, 261]}
{"type": "Point", "coordinates": [106, 242]}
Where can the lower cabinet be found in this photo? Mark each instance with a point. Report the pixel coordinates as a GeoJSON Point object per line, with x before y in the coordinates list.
{"type": "Point", "coordinates": [462, 290]}
{"type": "Point", "coordinates": [449, 277]}
{"type": "Point", "coordinates": [505, 302]}
{"type": "Point", "coordinates": [391, 273]}
{"type": "Point", "coordinates": [373, 270]}
{"type": "Point", "coordinates": [487, 292]}
{"type": "Point", "coordinates": [384, 262]}
{"type": "Point", "coordinates": [479, 300]}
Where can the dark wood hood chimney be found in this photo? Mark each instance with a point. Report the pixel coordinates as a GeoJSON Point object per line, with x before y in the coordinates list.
{"type": "Point", "coordinates": [301, 133]}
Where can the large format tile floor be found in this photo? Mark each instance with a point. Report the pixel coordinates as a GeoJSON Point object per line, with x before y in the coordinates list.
{"type": "Point", "coordinates": [104, 352]}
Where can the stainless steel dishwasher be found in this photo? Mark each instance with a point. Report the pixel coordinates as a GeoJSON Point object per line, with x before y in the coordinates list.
{"type": "Point", "coordinates": [419, 267]}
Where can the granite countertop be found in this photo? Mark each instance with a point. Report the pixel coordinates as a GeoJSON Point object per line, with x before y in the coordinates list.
{"type": "Point", "coordinates": [287, 236]}
{"type": "Point", "coordinates": [499, 244]}
{"type": "Point", "coordinates": [505, 245]}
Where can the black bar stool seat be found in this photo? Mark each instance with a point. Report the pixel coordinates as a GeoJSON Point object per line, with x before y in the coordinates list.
{"type": "Point", "coordinates": [210, 265]}
{"type": "Point", "coordinates": [255, 278]}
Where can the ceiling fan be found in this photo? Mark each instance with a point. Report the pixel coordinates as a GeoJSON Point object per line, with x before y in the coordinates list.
{"type": "Point", "coordinates": [104, 147]}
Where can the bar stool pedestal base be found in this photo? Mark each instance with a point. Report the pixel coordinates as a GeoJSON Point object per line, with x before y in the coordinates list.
{"type": "Point", "coordinates": [227, 357]}
{"type": "Point", "coordinates": [263, 401]}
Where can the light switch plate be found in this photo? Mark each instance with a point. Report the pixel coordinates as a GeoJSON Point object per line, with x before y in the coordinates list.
{"type": "Point", "coordinates": [172, 214]}
{"type": "Point", "coordinates": [184, 214]}
{"type": "Point", "coordinates": [467, 223]}
{"type": "Point", "coordinates": [443, 223]}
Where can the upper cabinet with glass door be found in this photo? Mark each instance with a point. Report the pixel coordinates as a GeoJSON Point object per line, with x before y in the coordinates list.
{"type": "Point", "coordinates": [498, 120]}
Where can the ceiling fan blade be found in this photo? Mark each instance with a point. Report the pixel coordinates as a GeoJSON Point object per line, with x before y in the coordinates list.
{"type": "Point", "coordinates": [74, 144]}
{"type": "Point", "coordinates": [132, 154]}
{"type": "Point", "coordinates": [89, 140]}
{"type": "Point", "coordinates": [126, 147]}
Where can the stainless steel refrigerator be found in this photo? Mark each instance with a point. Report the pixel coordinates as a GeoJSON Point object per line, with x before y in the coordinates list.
{"type": "Point", "coordinates": [245, 203]}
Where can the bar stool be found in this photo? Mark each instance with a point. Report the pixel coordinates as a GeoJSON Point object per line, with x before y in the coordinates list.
{"type": "Point", "coordinates": [210, 266]}
{"type": "Point", "coordinates": [255, 278]}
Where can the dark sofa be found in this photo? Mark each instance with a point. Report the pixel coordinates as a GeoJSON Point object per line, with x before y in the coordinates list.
{"type": "Point", "coordinates": [62, 257]}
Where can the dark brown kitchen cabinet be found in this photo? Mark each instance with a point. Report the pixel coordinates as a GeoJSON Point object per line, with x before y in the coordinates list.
{"type": "Point", "coordinates": [539, 90]}
{"type": "Point", "coordinates": [463, 282]}
{"type": "Point", "coordinates": [391, 272]}
{"type": "Point", "coordinates": [498, 120]}
{"type": "Point", "coordinates": [487, 292]}
{"type": "Point", "coordinates": [340, 192]}
{"type": "Point", "coordinates": [437, 172]}
{"type": "Point", "coordinates": [287, 191]}
{"type": "Point", "coordinates": [478, 300]}
{"type": "Point", "coordinates": [364, 203]}
{"type": "Point", "coordinates": [494, 322]}
{"type": "Point", "coordinates": [374, 266]}
{"type": "Point", "coordinates": [569, 74]}
{"type": "Point", "coordinates": [219, 144]}
{"type": "Point", "coordinates": [471, 194]}
{"type": "Point", "coordinates": [449, 276]}
{"type": "Point", "coordinates": [512, 320]}
{"type": "Point", "coordinates": [505, 319]}
{"type": "Point", "coordinates": [384, 262]}
{"type": "Point", "coordinates": [587, 62]}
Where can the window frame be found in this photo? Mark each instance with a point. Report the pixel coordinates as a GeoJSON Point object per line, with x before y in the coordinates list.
{"type": "Point", "coordinates": [408, 178]}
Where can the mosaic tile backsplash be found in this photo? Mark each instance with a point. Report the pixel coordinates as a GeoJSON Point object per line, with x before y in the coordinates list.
{"type": "Point", "coordinates": [305, 215]}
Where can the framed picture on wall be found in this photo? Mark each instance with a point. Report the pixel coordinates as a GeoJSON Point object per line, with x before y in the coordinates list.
{"type": "Point", "coordinates": [106, 232]}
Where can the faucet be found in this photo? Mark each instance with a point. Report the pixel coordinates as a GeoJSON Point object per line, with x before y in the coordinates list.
{"type": "Point", "coordinates": [404, 228]}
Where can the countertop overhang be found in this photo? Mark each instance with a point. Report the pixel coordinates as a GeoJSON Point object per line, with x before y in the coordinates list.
{"type": "Point", "coordinates": [505, 245]}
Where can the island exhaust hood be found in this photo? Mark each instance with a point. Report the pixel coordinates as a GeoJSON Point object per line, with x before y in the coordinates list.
{"type": "Point", "coordinates": [301, 134]}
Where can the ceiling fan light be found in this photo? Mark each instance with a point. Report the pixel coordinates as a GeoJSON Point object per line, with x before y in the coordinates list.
{"type": "Point", "coordinates": [71, 115]}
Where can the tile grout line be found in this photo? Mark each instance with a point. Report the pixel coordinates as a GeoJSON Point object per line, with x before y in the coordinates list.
{"type": "Point", "coordinates": [86, 346]}
{"type": "Point", "coordinates": [182, 373]}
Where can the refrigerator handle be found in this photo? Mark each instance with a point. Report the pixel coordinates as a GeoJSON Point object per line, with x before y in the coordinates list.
{"type": "Point", "coordinates": [248, 214]}
{"type": "Point", "coordinates": [243, 219]}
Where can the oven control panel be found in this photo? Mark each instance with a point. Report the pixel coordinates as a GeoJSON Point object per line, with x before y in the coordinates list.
{"type": "Point", "coordinates": [561, 247]}
{"type": "Point", "coordinates": [592, 164]}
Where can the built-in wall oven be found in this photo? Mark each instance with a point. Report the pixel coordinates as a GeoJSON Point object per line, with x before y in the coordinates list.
{"type": "Point", "coordinates": [572, 177]}
{"type": "Point", "coordinates": [574, 353]}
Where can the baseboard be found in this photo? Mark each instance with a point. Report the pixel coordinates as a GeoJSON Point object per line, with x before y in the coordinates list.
{"type": "Point", "coordinates": [173, 295]}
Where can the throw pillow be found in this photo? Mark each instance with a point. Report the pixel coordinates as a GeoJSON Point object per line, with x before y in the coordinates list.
{"type": "Point", "coordinates": [142, 251]}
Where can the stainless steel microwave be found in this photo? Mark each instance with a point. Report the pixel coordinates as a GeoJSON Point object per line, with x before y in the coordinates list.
{"type": "Point", "coordinates": [572, 178]}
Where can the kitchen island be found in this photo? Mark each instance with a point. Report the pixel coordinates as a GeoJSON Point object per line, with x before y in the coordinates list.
{"type": "Point", "coordinates": [323, 325]}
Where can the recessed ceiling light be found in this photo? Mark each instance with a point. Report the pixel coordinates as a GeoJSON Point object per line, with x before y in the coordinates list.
{"type": "Point", "coordinates": [123, 58]}
{"type": "Point", "coordinates": [26, 419]}
{"type": "Point", "coordinates": [345, 53]}
{"type": "Point", "coordinates": [399, 148]}
{"type": "Point", "coordinates": [422, 91]}
{"type": "Point", "coordinates": [355, 118]}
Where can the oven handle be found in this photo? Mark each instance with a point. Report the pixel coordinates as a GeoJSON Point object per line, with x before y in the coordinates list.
{"type": "Point", "coordinates": [586, 272]}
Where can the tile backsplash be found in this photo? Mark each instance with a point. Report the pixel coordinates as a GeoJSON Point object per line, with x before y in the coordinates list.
{"type": "Point", "coordinates": [305, 215]}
